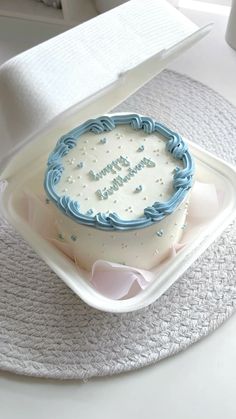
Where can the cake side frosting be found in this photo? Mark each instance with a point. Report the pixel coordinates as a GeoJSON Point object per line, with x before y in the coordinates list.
{"type": "Point", "coordinates": [98, 181]}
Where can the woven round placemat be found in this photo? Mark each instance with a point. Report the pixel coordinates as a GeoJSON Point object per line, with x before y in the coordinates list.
{"type": "Point", "coordinates": [46, 330]}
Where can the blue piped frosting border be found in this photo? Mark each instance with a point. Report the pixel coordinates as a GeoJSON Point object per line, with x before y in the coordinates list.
{"type": "Point", "coordinates": [182, 178]}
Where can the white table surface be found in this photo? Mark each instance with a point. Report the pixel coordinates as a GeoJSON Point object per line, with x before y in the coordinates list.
{"type": "Point", "coordinates": [199, 382]}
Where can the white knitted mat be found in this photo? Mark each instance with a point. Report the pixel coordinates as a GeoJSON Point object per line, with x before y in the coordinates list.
{"type": "Point", "coordinates": [46, 330]}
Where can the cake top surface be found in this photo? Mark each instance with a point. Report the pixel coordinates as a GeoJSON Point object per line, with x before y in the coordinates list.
{"type": "Point", "coordinates": [119, 172]}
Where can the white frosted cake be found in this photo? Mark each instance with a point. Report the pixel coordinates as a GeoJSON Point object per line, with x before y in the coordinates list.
{"type": "Point", "coordinates": [120, 187]}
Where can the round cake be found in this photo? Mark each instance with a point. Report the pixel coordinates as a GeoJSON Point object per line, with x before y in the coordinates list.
{"type": "Point", "coordinates": [120, 186]}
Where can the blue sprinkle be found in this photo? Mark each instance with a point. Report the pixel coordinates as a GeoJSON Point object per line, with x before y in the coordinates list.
{"type": "Point", "coordinates": [141, 148]}
{"type": "Point", "coordinates": [139, 188]}
{"type": "Point", "coordinates": [73, 237]}
{"type": "Point", "coordinates": [150, 163]}
{"type": "Point", "coordinates": [184, 226]}
{"type": "Point", "coordinates": [80, 165]}
{"type": "Point", "coordinates": [103, 141]}
{"type": "Point", "coordinates": [160, 233]}
{"type": "Point", "coordinates": [92, 174]}
{"type": "Point", "coordinates": [90, 211]}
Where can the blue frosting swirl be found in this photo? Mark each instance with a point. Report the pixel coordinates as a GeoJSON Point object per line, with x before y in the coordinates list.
{"type": "Point", "coordinates": [182, 178]}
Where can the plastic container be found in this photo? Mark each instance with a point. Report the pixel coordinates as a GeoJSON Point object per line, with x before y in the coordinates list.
{"type": "Point", "coordinates": [29, 158]}
{"type": "Point", "coordinates": [22, 167]}
{"type": "Point", "coordinates": [230, 35]}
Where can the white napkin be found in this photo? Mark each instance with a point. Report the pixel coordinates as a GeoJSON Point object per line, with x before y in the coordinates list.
{"type": "Point", "coordinates": [44, 81]}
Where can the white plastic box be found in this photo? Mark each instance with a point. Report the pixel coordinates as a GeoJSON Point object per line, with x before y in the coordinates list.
{"type": "Point", "coordinates": [29, 157]}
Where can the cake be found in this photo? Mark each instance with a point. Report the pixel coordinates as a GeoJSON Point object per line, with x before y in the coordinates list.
{"type": "Point", "coordinates": [119, 186]}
